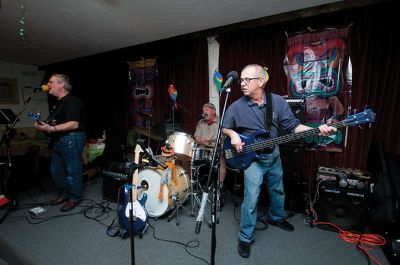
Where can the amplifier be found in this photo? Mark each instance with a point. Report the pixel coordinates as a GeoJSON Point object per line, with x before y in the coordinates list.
{"type": "Point", "coordinates": [343, 207]}
{"type": "Point", "coordinates": [114, 178]}
{"type": "Point", "coordinates": [298, 107]}
{"type": "Point", "coordinates": [343, 178]}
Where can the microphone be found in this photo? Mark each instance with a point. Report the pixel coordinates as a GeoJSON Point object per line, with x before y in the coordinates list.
{"type": "Point", "coordinates": [36, 88]}
{"type": "Point", "coordinates": [232, 76]}
{"type": "Point", "coordinates": [201, 116]}
{"type": "Point", "coordinates": [200, 215]}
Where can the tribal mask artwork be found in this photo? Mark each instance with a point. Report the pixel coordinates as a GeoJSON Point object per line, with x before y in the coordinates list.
{"type": "Point", "coordinates": [314, 66]}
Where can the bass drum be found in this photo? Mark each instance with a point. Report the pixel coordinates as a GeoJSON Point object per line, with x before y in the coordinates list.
{"type": "Point", "coordinates": [159, 199]}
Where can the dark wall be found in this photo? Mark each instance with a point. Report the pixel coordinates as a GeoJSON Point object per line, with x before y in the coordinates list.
{"type": "Point", "coordinates": [101, 81]}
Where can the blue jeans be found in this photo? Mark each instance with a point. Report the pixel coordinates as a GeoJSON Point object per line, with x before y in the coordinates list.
{"type": "Point", "coordinates": [267, 168]}
{"type": "Point", "coordinates": [66, 165]}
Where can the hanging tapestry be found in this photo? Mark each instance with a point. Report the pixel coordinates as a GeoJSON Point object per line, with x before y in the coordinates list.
{"type": "Point", "coordinates": [141, 80]}
{"type": "Point", "coordinates": [315, 69]}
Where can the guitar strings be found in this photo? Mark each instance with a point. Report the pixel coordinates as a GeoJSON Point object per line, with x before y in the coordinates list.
{"type": "Point", "coordinates": [275, 141]}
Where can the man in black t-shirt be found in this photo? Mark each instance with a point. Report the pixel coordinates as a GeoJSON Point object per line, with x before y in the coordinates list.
{"type": "Point", "coordinates": [65, 125]}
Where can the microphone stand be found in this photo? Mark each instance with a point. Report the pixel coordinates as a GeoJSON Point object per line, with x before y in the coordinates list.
{"type": "Point", "coordinates": [215, 199]}
{"type": "Point", "coordinates": [7, 139]}
{"type": "Point", "coordinates": [132, 219]}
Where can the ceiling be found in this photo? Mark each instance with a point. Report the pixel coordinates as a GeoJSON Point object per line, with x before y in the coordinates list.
{"type": "Point", "coordinates": [55, 31]}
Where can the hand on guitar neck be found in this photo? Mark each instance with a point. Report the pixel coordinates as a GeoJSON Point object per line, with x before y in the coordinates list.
{"type": "Point", "coordinates": [36, 116]}
{"type": "Point", "coordinates": [241, 150]}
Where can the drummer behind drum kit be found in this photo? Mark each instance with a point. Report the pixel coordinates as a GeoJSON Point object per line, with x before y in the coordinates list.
{"type": "Point", "coordinates": [169, 185]}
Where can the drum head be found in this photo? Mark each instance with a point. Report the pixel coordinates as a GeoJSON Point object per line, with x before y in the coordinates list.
{"type": "Point", "coordinates": [153, 179]}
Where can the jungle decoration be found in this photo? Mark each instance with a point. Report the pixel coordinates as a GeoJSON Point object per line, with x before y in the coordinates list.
{"type": "Point", "coordinates": [318, 69]}
{"type": "Point", "coordinates": [218, 79]}
{"type": "Point", "coordinates": [141, 80]}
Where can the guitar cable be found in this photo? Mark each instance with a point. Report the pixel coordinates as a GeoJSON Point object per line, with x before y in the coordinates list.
{"type": "Point", "coordinates": [190, 244]}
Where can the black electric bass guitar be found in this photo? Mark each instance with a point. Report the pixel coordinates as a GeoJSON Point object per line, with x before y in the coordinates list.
{"type": "Point", "coordinates": [243, 159]}
{"type": "Point", "coordinates": [138, 210]}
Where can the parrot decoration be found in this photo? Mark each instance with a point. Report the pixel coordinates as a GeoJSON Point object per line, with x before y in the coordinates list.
{"type": "Point", "coordinates": [218, 79]}
{"type": "Point", "coordinates": [173, 93]}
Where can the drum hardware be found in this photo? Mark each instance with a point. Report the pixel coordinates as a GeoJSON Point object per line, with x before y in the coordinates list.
{"type": "Point", "coordinates": [158, 180]}
{"type": "Point", "coordinates": [167, 196]}
{"type": "Point", "coordinates": [195, 188]}
{"type": "Point", "coordinates": [178, 205]}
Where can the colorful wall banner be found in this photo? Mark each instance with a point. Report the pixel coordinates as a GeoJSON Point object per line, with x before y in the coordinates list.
{"type": "Point", "coordinates": [141, 79]}
{"type": "Point", "coordinates": [315, 69]}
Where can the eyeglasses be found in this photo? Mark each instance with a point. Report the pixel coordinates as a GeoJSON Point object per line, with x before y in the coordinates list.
{"type": "Point", "coordinates": [247, 79]}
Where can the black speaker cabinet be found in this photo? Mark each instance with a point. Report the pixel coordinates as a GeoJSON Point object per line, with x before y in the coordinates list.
{"type": "Point", "coordinates": [292, 156]}
{"type": "Point", "coordinates": [346, 208]}
{"type": "Point", "coordinates": [113, 183]}
{"type": "Point", "coordinates": [298, 107]}
{"type": "Point", "coordinates": [295, 184]}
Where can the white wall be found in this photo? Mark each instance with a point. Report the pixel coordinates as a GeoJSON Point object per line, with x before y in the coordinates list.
{"type": "Point", "coordinates": [213, 62]}
{"type": "Point", "coordinates": [28, 76]}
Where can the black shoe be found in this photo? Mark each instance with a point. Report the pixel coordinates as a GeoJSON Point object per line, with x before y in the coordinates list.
{"type": "Point", "coordinates": [244, 249]}
{"type": "Point", "coordinates": [284, 225]}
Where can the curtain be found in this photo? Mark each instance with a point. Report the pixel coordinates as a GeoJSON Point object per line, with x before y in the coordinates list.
{"type": "Point", "coordinates": [375, 60]}
{"type": "Point", "coordinates": [185, 65]}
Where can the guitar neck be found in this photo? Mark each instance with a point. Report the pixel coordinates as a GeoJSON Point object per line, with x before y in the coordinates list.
{"type": "Point", "coordinates": [271, 143]}
{"type": "Point", "coordinates": [135, 176]}
{"type": "Point", "coordinates": [134, 184]}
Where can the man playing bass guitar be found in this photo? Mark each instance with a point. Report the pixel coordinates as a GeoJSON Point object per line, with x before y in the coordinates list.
{"type": "Point", "coordinates": [257, 110]}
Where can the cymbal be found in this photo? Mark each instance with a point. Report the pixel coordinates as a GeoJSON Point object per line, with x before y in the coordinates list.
{"type": "Point", "coordinates": [150, 134]}
{"type": "Point", "coordinates": [147, 117]}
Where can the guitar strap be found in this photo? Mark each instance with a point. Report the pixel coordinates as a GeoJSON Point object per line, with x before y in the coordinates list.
{"type": "Point", "coordinates": [268, 112]}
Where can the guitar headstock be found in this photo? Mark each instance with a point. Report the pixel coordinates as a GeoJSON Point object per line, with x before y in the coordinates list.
{"type": "Point", "coordinates": [36, 116]}
{"type": "Point", "coordinates": [138, 149]}
{"type": "Point", "coordinates": [366, 116]}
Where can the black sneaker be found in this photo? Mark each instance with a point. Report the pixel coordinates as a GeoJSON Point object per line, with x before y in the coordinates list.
{"type": "Point", "coordinates": [244, 249]}
{"type": "Point", "coordinates": [284, 225]}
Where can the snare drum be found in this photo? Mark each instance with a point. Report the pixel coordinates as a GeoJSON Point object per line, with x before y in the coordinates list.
{"type": "Point", "coordinates": [183, 144]}
{"type": "Point", "coordinates": [202, 155]}
{"type": "Point", "coordinates": [155, 179]}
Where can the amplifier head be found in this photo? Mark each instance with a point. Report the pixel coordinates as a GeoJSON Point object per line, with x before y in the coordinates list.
{"type": "Point", "coordinates": [343, 178]}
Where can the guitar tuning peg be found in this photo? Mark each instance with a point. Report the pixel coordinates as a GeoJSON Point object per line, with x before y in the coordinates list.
{"type": "Point", "coordinates": [359, 126]}
{"type": "Point", "coordinates": [354, 111]}
{"type": "Point", "coordinates": [365, 107]}
{"type": "Point", "coordinates": [370, 125]}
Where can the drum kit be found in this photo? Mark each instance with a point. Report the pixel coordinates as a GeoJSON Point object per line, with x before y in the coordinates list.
{"type": "Point", "coordinates": [171, 185]}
